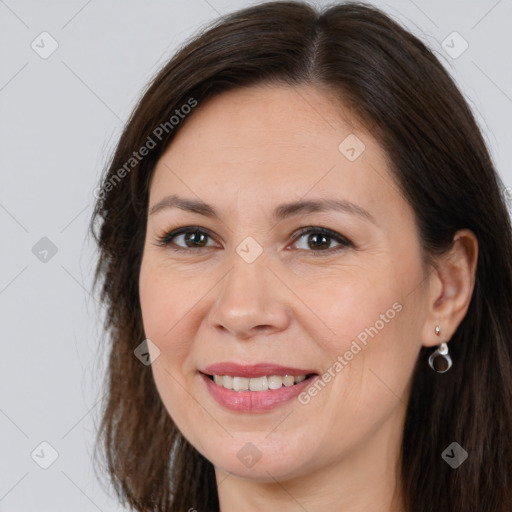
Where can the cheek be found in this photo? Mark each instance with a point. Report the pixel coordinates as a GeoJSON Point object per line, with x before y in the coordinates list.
{"type": "Point", "coordinates": [168, 303]}
{"type": "Point", "coordinates": [371, 346]}
{"type": "Point", "coordinates": [373, 311]}
{"type": "Point", "coordinates": [162, 309]}
{"type": "Point", "coordinates": [354, 305]}
{"type": "Point", "coordinates": [164, 317]}
{"type": "Point", "coordinates": [164, 299]}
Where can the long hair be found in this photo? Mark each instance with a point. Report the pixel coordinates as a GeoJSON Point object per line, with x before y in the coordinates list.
{"type": "Point", "coordinates": [401, 92]}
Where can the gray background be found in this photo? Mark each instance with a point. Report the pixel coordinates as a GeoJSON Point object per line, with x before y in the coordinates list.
{"type": "Point", "coordinates": [60, 117]}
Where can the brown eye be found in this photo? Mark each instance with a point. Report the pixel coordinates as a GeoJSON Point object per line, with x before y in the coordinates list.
{"type": "Point", "coordinates": [185, 238]}
{"type": "Point", "coordinates": [319, 240]}
{"type": "Point", "coordinates": [195, 238]}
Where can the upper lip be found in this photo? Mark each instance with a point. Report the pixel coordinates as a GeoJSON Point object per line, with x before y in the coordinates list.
{"type": "Point", "coordinates": [253, 370]}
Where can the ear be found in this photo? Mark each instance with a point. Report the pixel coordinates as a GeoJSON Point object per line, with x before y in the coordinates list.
{"type": "Point", "coordinates": [451, 284]}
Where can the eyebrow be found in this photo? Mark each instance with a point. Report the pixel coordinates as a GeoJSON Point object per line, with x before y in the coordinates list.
{"type": "Point", "coordinates": [281, 212]}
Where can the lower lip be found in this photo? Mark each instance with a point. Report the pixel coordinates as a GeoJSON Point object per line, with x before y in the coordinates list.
{"type": "Point", "coordinates": [254, 401]}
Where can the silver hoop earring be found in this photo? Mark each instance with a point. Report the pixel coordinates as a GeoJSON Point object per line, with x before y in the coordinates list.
{"type": "Point", "coordinates": [440, 360]}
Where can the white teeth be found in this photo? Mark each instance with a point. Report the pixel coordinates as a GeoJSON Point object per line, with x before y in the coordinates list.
{"type": "Point", "coordinates": [240, 383]}
{"type": "Point", "coordinates": [228, 382]}
{"type": "Point", "coordinates": [257, 383]}
{"type": "Point", "coordinates": [275, 382]}
{"type": "Point", "coordinates": [288, 380]}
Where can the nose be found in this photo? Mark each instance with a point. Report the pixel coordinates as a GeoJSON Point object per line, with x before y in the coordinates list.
{"type": "Point", "coordinates": [250, 300]}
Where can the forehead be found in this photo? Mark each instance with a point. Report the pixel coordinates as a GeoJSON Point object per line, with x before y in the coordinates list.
{"type": "Point", "coordinates": [274, 141]}
{"type": "Point", "coordinates": [299, 119]}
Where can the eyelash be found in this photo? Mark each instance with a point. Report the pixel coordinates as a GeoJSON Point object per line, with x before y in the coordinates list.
{"type": "Point", "coordinates": [166, 239]}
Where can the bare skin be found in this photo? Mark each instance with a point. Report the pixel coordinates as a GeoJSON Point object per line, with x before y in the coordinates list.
{"type": "Point", "coordinates": [297, 304]}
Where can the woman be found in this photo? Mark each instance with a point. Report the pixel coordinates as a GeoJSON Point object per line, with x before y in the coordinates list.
{"type": "Point", "coordinates": [306, 256]}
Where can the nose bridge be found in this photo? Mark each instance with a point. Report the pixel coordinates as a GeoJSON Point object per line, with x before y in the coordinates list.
{"type": "Point", "coordinates": [249, 298]}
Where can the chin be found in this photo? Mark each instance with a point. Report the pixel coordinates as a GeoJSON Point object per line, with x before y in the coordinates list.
{"type": "Point", "coordinates": [259, 458]}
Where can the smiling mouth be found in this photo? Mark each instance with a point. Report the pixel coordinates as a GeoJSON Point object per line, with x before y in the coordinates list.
{"type": "Point", "coordinates": [256, 384]}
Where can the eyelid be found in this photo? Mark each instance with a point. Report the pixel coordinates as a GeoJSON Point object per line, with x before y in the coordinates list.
{"type": "Point", "coordinates": [326, 231]}
{"type": "Point", "coordinates": [344, 242]}
{"type": "Point", "coordinates": [165, 238]}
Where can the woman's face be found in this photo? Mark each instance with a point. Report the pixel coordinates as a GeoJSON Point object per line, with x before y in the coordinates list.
{"type": "Point", "coordinates": [244, 290]}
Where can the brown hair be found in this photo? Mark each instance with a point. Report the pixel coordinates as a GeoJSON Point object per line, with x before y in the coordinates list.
{"type": "Point", "coordinates": [438, 156]}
